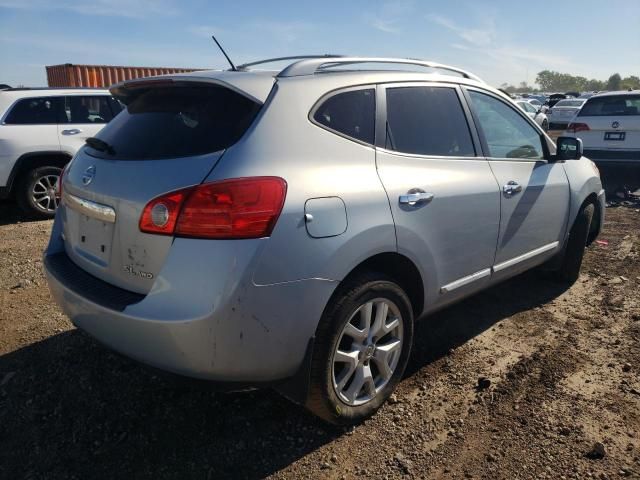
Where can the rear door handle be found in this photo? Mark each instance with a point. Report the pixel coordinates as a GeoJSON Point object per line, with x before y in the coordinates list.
{"type": "Point", "coordinates": [413, 198]}
{"type": "Point", "coordinates": [71, 131]}
{"type": "Point", "coordinates": [511, 188]}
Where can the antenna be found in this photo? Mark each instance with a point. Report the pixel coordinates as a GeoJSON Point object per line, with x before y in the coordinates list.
{"type": "Point", "coordinates": [233, 67]}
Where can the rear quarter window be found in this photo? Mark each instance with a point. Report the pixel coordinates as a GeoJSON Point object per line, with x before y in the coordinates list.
{"type": "Point", "coordinates": [618, 105]}
{"type": "Point", "coordinates": [350, 113]}
{"type": "Point", "coordinates": [178, 121]}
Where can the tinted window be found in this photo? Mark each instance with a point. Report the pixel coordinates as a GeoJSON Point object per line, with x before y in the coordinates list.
{"type": "Point", "coordinates": [569, 103]}
{"type": "Point", "coordinates": [88, 109]}
{"type": "Point", "coordinates": [34, 111]}
{"type": "Point", "coordinates": [618, 105]}
{"type": "Point", "coordinates": [177, 122]}
{"type": "Point", "coordinates": [351, 113]}
{"type": "Point", "coordinates": [507, 133]}
{"type": "Point", "coordinates": [427, 121]}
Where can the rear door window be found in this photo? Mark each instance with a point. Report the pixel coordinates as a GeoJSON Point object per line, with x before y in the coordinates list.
{"type": "Point", "coordinates": [177, 121]}
{"type": "Point", "coordinates": [427, 121]}
{"type": "Point", "coordinates": [506, 132]}
{"type": "Point", "coordinates": [87, 109]}
{"type": "Point", "coordinates": [351, 113]}
{"type": "Point", "coordinates": [618, 105]}
{"type": "Point", "coordinates": [35, 111]}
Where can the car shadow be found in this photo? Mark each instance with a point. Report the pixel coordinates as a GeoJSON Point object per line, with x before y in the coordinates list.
{"type": "Point", "coordinates": [10, 214]}
{"type": "Point", "coordinates": [69, 407]}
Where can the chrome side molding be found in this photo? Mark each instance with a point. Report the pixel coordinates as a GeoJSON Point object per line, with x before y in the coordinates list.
{"type": "Point", "coordinates": [461, 282]}
{"type": "Point", "coordinates": [525, 256]}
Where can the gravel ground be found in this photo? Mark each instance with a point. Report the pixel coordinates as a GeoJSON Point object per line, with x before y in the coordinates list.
{"type": "Point", "coordinates": [560, 371]}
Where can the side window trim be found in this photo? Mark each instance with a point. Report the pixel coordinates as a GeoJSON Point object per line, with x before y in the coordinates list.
{"type": "Point", "coordinates": [381, 118]}
{"type": "Point", "coordinates": [332, 93]}
{"type": "Point", "coordinates": [519, 111]}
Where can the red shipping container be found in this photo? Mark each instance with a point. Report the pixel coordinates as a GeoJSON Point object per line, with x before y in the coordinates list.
{"type": "Point", "coordinates": [102, 76]}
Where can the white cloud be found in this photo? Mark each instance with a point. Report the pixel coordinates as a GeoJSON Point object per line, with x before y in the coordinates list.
{"type": "Point", "coordinates": [388, 17]}
{"type": "Point", "coordinates": [114, 8]}
{"type": "Point", "coordinates": [482, 36]}
{"type": "Point", "coordinates": [287, 32]}
{"type": "Point", "coordinates": [487, 42]}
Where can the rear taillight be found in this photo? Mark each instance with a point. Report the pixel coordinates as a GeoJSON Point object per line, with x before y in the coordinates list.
{"type": "Point", "coordinates": [578, 127]}
{"type": "Point", "coordinates": [236, 208]}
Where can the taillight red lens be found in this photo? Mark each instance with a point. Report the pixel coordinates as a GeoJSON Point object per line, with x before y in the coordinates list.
{"type": "Point", "coordinates": [236, 208]}
{"type": "Point", "coordinates": [578, 127]}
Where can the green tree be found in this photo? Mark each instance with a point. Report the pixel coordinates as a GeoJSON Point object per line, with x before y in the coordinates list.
{"type": "Point", "coordinates": [614, 82]}
{"type": "Point", "coordinates": [632, 82]}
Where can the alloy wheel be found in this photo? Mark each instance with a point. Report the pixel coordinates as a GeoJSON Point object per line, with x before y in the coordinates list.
{"type": "Point", "coordinates": [367, 352]}
{"type": "Point", "coordinates": [44, 194]}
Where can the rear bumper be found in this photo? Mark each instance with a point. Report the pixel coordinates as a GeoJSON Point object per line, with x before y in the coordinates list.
{"type": "Point", "coordinates": [224, 329]}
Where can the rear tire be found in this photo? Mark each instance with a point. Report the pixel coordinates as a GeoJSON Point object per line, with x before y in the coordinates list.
{"type": "Point", "coordinates": [334, 392]}
{"type": "Point", "coordinates": [569, 270]}
{"type": "Point", "coordinates": [35, 192]}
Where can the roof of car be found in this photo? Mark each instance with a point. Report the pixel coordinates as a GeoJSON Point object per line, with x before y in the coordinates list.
{"type": "Point", "coordinates": [618, 92]}
{"type": "Point", "coordinates": [258, 83]}
{"type": "Point", "coordinates": [46, 92]}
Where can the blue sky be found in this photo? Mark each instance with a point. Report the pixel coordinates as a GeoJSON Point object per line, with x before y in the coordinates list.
{"type": "Point", "coordinates": [500, 40]}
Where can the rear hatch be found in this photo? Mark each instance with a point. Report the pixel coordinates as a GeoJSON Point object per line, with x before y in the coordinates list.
{"type": "Point", "coordinates": [609, 122]}
{"type": "Point", "coordinates": [170, 136]}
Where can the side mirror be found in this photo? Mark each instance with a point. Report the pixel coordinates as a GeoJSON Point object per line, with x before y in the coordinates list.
{"type": "Point", "coordinates": [568, 148]}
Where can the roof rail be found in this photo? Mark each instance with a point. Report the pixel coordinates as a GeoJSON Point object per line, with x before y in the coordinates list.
{"type": "Point", "coordinates": [318, 65]}
{"type": "Point", "coordinates": [244, 66]}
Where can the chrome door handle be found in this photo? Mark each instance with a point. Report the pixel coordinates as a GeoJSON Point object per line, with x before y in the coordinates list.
{"type": "Point", "coordinates": [416, 198]}
{"type": "Point", "coordinates": [71, 131]}
{"type": "Point", "coordinates": [511, 188]}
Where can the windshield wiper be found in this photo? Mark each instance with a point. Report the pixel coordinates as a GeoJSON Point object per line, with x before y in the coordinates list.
{"type": "Point", "coordinates": [100, 145]}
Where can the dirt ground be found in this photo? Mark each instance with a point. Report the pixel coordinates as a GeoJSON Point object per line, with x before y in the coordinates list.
{"type": "Point", "coordinates": [564, 367]}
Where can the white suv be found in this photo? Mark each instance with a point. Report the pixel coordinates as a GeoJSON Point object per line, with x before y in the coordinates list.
{"type": "Point", "coordinates": [609, 126]}
{"type": "Point", "coordinates": [40, 131]}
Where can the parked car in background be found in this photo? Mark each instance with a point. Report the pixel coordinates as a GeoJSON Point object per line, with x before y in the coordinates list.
{"type": "Point", "coordinates": [563, 112]}
{"type": "Point", "coordinates": [40, 131]}
{"type": "Point", "coordinates": [609, 126]}
{"type": "Point", "coordinates": [534, 112]}
{"type": "Point", "coordinates": [555, 98]}
{"type": "Point", "coordinates": [286, 228]}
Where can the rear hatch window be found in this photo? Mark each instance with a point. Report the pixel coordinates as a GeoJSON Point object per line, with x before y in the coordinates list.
{"type": "Point", "coordinates": [176, 121]}
{"type": "Point", "coordinates": [618, 105]}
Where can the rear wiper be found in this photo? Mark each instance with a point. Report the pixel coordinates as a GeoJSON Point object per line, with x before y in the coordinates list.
{"type": "Point", "coordinates": [100, 145]}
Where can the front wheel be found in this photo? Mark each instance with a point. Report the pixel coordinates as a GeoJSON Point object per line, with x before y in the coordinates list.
{"type": "Point", "coordinates": [362, 346]}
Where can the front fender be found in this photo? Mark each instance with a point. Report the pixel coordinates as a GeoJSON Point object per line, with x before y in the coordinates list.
{"type": "Point", "coordinates": [584, 182]}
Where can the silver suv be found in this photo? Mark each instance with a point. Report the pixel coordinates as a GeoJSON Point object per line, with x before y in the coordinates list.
{"type": "Point", "coordinates": [287, 228]}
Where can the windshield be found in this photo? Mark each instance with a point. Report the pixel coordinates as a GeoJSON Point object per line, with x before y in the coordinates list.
{"type": "Point", "coordinates": [177, 121]}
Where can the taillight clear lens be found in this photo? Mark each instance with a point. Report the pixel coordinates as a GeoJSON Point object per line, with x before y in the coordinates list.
{"type": "Point", "coordinates": [236, 208]}
{"type": "Point", "coordinates": [170, 204]}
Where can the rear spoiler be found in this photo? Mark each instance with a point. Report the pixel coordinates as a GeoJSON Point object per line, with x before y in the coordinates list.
{"type": "Point", "coordinates": [129, 90]}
